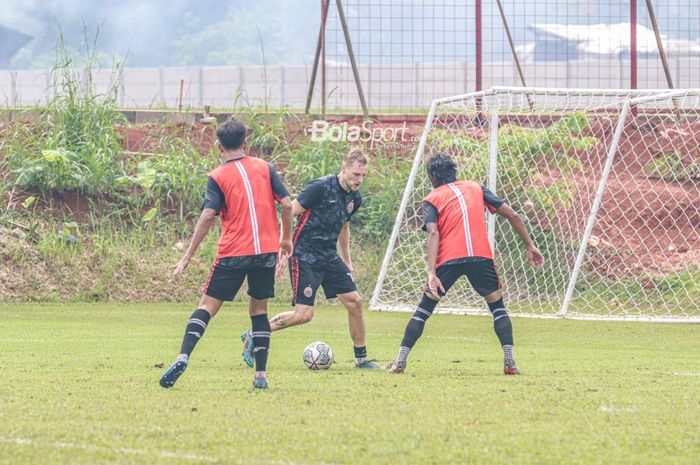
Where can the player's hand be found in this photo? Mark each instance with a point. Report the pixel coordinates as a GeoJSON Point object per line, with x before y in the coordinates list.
{"type": "Point", "coordinates": [535, 257]}
{"type": "Point", "coordinates": [352, 270]}
{"type": "Point", "coordinates": [286, 248]}
{"type": "Point", "coordinates": [179, 268]}
{"type": "Point", "coordinates": [281, 266]}
{"type": "Point", "coordinates": [433, 286]}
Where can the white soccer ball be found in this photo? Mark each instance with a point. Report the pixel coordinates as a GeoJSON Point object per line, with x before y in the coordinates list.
{"type": "Point", "coordinates": [318, 356]}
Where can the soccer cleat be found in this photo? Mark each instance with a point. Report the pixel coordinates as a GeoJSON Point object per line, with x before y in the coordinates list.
{"type": "Point", "coordinates": [247, 338]}
{"type": "Point", "coordinates": [396, 367]}
{"type": "Point", "coordinates": [260, 383]}
{"type": "Point", "coordinates": [368, 364]}
{"type": "Point", "coordinates": [173, 373]}
{"type": "Point", "coordinates": [509, 367]}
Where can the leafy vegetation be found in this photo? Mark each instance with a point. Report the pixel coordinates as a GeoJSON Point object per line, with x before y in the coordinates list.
{"type": "Point", "coordinates": [144, 203]}
{"type": "Point", "coordinates": [672, 167]}
{"type": "Point", "coordinates": [521, 153]}
{"type": "Point", "coordinates": [74, 146]}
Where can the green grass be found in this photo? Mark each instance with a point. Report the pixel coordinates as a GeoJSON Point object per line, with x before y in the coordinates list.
{"type": "Point", "coordinates": [79, 385]}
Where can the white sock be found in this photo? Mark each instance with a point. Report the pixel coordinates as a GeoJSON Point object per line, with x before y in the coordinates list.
{"type": "Point", "coordinates": [508, 352]}
{"type": "Point", "coordinates": [403, 354]}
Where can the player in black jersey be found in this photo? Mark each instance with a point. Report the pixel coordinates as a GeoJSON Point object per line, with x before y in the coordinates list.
{"type": "Point", "coordinates": [324, 208]}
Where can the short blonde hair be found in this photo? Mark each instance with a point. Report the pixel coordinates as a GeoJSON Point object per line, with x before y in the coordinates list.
{"type": "Point", "coordinates": [355, 155]}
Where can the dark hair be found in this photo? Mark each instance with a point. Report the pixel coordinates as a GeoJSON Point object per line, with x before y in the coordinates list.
{"type": "Point", "coordinates": [441, 169]}
{"type": "Point", "coordinates": [231, 134]}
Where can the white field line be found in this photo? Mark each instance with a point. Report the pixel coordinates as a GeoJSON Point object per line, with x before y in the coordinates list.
{"type": "Point", "coordinates": [128, 450]}
{"type": "Point", "coordinates": [121, 450]}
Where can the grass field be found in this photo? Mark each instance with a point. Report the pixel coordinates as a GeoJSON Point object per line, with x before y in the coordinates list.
{"type": "Point", "coordinates": [79, 385]}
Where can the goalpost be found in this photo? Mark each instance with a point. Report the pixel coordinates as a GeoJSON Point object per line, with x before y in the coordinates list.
{"type": "Point", "coordinates": [607, 183]}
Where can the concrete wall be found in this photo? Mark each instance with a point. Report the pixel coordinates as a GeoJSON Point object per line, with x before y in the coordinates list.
{"type": "Point", "coordinates": [386, 87]}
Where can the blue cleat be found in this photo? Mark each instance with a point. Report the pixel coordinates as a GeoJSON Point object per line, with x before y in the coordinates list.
{"type": "Point", "coordinates": [173, 373]}
{"type": "Point", "coordinates": [368, 364]}
{"type": "Point", "coordinates": [247, 338]}
{"type": "Point", "coordinates": [259, 383]}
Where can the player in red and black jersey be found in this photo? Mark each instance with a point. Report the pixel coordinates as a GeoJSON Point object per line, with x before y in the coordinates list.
{"type": "Point", "coordinates": [242, 191]}
{"type": "Point", "coordinates": [458, 246]}
{"type": "Point", "coordinates": [324, 209]}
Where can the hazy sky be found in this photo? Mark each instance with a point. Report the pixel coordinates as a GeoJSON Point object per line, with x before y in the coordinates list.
{"type": "Point", "coordinates": [163, 32]}
{"type": "Point", "coordinates": [235, 32]}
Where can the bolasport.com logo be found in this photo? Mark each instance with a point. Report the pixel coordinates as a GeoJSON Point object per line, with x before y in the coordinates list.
{"type": "Point", "coordinates": [369, 132]}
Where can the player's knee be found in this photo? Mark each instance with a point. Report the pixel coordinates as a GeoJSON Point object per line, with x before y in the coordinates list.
{"type": "Point", "coordinates": [257, 306]}
{"type": "Point", "coordinates": [428, 304]}
{"type": "Point", "coordinates": [357, 301]}
{"type": "Point", "coordinates": [494, 296]}
{"type": "Point", "coordinates": [354, 303]}
{"type": "Point", "coordinates": [304, 315]}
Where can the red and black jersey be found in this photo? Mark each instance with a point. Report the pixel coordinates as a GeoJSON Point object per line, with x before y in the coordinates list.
{"type": "Point", "coordinates": [248, 213]}
{"type": "Point", "coordinates": [328, 207]}
{"type": "Point", "coordinates": [461, 220]}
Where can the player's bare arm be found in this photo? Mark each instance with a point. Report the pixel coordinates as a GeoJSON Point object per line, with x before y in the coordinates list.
{"type": "Point", "coordinates": [534, 256]}
{"type": "Point", "coordinates": [287, 216]}
{"type": "Point", "coordinates": [290, 209]}
{"type": "Point", "coordinates": [344, 246]}
{"type": "Point", "coordinates": [206, 219]}
{"type": "Point", "coordinates": [297, 209]}
{"type": "Point", "coordinates": [433, 284]}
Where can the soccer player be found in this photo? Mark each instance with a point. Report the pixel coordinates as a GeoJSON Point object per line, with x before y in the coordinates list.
{"type": "Point", "coordinates": [242, 191]}
{"type": "Point", "coordinates": [453, 215]}
{"type": "Point", "coordinates": [324, 208]}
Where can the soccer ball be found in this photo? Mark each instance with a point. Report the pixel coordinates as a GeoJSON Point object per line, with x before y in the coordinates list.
{"type": "Point", "coordinates": [318, 356]}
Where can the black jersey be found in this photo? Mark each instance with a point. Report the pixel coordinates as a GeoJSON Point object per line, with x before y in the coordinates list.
{"type": "Point", "coordinates": [328, 207]}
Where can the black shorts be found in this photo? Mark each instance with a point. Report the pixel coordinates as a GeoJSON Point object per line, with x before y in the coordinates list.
{"type": "Point", "coordinates": [482, 276]}
{"type": "Point", "coordinates": [225, 281]}
{"type": "Point", "coordinates": [334, 276]}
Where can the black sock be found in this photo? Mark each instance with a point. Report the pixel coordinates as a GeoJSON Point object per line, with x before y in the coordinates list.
{"type": "Point", "coordinates": [360, 352]}
{"type": "Point", "coordinates": [195, 330]}
{"type": "Point", "coordinates": [501, 322]}
{"type": "Point", "coordinates": [261, 340]}
{"type": "Point", "coordinates": [415, 326]}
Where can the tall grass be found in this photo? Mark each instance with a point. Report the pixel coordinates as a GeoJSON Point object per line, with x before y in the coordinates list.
{"type": "Point", "coordinates": [141, 205]}
{"type": "Point", "coordinates": [74, 146]}
{"type": "Point", "coordinates": [175, 176]}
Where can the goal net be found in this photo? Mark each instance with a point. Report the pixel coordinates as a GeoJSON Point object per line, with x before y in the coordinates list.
{"type": "Point", "coordinates": [607, 183]}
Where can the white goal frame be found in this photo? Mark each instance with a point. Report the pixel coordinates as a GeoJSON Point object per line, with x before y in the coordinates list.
{"type": "Point", "coordinates": [623, 103]}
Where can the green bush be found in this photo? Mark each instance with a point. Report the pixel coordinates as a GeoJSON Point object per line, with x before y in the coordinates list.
{"type": "Point", "coordinates": [269, 132]}
{"type": "Point", "coordinates": [75, 144]}
{"type": "Point", "coordinates": [672, 167]}
{"type": "Point", "coordinates": [176, 175]}
{"type": "Point", "coordinates": [310, 160]}
{"type": "Point", "coordinates": [521, 151]}
{"type": "Point", "coordinates": [381, 195]}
